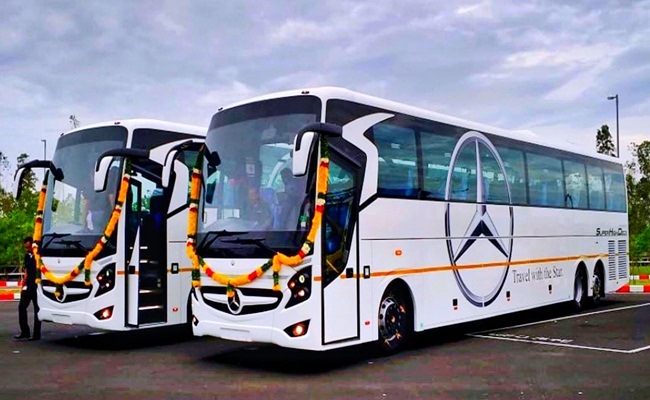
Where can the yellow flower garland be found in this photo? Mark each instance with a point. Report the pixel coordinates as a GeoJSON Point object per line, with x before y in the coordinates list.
{"type": "Point", "coordinates": [86, 263]}
{"type": "Point", "coordinates": [278, 259]}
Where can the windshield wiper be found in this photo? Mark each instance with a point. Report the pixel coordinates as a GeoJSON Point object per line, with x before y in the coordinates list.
{"type": "Point", "coordinates": [53, 236]}
{"type": "Point", "coordinates": [214, 235]}
{"type": "Point", "coordinates": [258, 242]}
{"type": "Point", "coordinates": [75, 243]}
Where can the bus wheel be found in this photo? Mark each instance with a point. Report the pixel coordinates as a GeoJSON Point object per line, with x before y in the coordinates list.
{"type": "Point", "coordinates": [579, 290]}
{"type": "Point", "coordinates": [598, 291]}
{"type": "Point", "coordinates": [393, 321]}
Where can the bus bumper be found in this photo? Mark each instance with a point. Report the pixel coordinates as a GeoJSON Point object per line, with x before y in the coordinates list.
{"type": "Point", "coordinates": [266, 327]}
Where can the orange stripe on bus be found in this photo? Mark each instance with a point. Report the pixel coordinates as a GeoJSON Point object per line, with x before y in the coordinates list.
{"type": "Point", "coordinates": [423, 270]}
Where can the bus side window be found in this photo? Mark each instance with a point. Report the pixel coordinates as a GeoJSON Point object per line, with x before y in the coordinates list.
{"type": "Point", "coordinates": [514, 165]}
{"type": "Point", "coordinates": [463, 184]}
{"type": "Point", "coordinates": [398, 160]}
{"type": "Point", "coordinates": [494, 182]}
{"type": "Point", "coordinates": [575, 181]}
{"type": "Point", "coordinates": [614, 190]}
{"type": "Point", "coordinates": [545, 180]}
{"type": "Point", "coordinates": [436, 155]}
{"type": "Point", "coordinates": [596, 187]}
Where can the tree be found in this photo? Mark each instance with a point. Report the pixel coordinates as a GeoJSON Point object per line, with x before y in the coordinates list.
{"type": "Point", "coordinates": [638, 194]}
{"type": "Point", "coordinates": [604, 143]}
{"type": "Point", "coordinates": [16, 216]}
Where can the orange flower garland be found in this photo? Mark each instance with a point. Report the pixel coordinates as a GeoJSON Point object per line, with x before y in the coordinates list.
{"type": "Point", "coordinates": [86, 263]}
{"type": "Point", "coordinates": [278, 259]}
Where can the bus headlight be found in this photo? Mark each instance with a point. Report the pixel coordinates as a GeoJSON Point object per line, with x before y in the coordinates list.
{"type": "Point", "coordinates": [300, 287]}
{"type": "Point", "coordinates": [297, 330]}
{"type": "Point", "coordinates": [104, 313]}
{"type": "Point", "coordinates": [106, 279]}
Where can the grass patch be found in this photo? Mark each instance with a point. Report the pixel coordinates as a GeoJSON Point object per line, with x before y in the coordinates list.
{"type": "Point", "coordinates": [639, 270]}
{"type": "Point", "coordinates": [639, 282]}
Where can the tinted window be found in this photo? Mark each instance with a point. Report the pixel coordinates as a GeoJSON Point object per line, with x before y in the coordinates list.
{"type": "Point", "coordinates": [596, 193]}
{"type": "Point", "coordinates": [614, 190]}
{"type": "Point", "coordinates": [494, 181]}
{"type": "Point", "coordinates": [545, 183]}
{"type": "Point", "coordinates": [436, 154]}
{"type": "Point", "coordinates": [397, 160]}
{"type": "Point", "coordinates": [463, 178]}
{"type": "Point", "coordinates": [575, 179]}
{"type": "Point", "coordinates": [513, 162]}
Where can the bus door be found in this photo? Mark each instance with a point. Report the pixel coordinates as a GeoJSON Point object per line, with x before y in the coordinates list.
{"type": "Point", "coordinates": [146, 266]}
{"type": "Point", "coordinates": [340, 269]}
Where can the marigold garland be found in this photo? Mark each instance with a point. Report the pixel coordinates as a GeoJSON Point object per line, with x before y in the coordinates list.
{"type": "Point", "coordinates": [279, 259]}
{"type": "Point", "coordinates": [86, 263]}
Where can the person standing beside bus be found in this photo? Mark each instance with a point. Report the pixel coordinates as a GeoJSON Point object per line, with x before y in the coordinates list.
{"type": "Point", "coordinates": [27, 295]}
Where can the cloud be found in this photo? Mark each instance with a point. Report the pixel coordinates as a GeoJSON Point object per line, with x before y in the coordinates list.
{"type": "Point", "coordinates": [546, 66]}
{"type": "Point", "coordinates": [226, 95]}
{"type": "Point", "coordinates": [21, 95]}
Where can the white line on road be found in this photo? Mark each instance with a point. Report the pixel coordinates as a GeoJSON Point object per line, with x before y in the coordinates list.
{"type": "Point", "coordinates": [575, 346]}
{"type": "Point", "coordinates": [563, 318]}
{"type": "Point", "coordinates": [512, 339]}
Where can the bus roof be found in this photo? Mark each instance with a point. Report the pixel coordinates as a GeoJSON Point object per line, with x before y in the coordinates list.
{"type": "Point", "coordinates": [136, 123]}
{"type": "Point", "coordinates": [328, 92]}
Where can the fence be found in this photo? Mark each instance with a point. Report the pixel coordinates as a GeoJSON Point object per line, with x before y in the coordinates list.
{"type": "Point", "coordinates": [11, 272]}
{"type": "Point", "coordinates": [640, 268]}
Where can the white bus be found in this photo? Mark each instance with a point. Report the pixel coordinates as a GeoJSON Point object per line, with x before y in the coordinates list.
{"type": "Point", "coordinates": [428, 221]}
{"type": "Point", "coordinates": [136, 278]}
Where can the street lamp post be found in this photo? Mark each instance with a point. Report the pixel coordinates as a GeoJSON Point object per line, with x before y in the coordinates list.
{"type": "Point", "coordinates": [618, 150]}
{"type": "Point", "coordinates": [44, 149]}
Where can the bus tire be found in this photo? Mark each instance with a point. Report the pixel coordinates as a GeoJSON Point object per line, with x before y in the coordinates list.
{"type": "Point", "coordinates": [580, 289]}
{"type": "Point", "coordinates": [598, 286]}
{"type": "Point", "coordinates": [395, 318]}
{"type": "Point", "coordinates": [187, 326]}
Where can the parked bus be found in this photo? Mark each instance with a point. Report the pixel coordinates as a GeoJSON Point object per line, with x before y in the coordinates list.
{"type": "Point", "coordinates": [394, 220]}
{"type": "Point", "coordinates": [109, 237]}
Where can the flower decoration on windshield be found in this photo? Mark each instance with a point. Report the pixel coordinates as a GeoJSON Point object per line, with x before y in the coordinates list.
{"type": "Point", "coordinates": [279, 259]}
{"type": "Point", "coordinates": [86, 263]}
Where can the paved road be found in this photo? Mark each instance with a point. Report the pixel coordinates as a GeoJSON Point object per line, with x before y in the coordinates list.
{"type": "Point", "coordinates": [602, 355]}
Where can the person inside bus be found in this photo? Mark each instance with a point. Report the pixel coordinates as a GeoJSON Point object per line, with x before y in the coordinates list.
{"type": "Point", "coordinates": [257, 211]}
{"type": "Point", "coordinates": [289, 200]}
{"type": "Point", "coordinates": [97, 207]}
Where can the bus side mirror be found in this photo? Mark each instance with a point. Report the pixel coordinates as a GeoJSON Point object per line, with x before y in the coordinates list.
{"type": "Point", "coordinates": [172, 154]}
{"type": "Point", "coordinates": [302, 147]}
{"type": "Point", "coordinates": [22, 170]}
{"type": "Point", "coordinates": [18, 179]}
{"type": "Point", "coordinates": [167, 168]}
{"type": "Point", "coordinates": [304, 141]}
{"type": "Point", "coordinates": [101, 173]}
{"type": "Point", "coordinates": [104, 161]}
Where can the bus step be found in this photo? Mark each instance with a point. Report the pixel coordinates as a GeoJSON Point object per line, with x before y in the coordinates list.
{"type": "Point", "coordinates": [150, 291]}
{"type": "Point", "coordinates": [159, 307]}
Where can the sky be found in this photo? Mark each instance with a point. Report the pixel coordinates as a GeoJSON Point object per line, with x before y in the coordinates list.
{"type": "Point", "coordinates": [543, 66]}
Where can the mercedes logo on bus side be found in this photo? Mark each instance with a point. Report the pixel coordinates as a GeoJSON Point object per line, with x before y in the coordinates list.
{"type": "Point", "coordinates": [482, 226]}
{"type": "Point", "coordinates": [234, 303]}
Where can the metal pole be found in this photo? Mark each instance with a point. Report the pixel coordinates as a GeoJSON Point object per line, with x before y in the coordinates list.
{"type": "Point", "coordinates": [44, 149]}
{"type": "Point", "coordinates": [618, 149]}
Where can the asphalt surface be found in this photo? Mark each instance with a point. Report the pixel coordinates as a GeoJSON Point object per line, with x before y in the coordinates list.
{"type": "Point", "coordinates": [604, 353]}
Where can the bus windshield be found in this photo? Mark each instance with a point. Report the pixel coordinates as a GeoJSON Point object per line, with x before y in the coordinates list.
{"type": "Point", "coordinates": [254, 206]}
{"type": "Point", "coordinates": [72, 206]}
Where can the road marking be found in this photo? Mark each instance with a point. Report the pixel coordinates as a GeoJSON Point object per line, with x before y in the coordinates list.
{"type": "Point", "coordinates": [491, 333]}
{"type": "Point", "coordinates": [562, 318]}
{"type": "Point", "coordinates": [575, 346]}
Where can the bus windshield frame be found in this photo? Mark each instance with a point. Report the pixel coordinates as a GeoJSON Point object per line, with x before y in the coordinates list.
{"type": "Point", "coordinates": [253, 205]}
{"type": "Point", "coordinates": [75, 215]}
